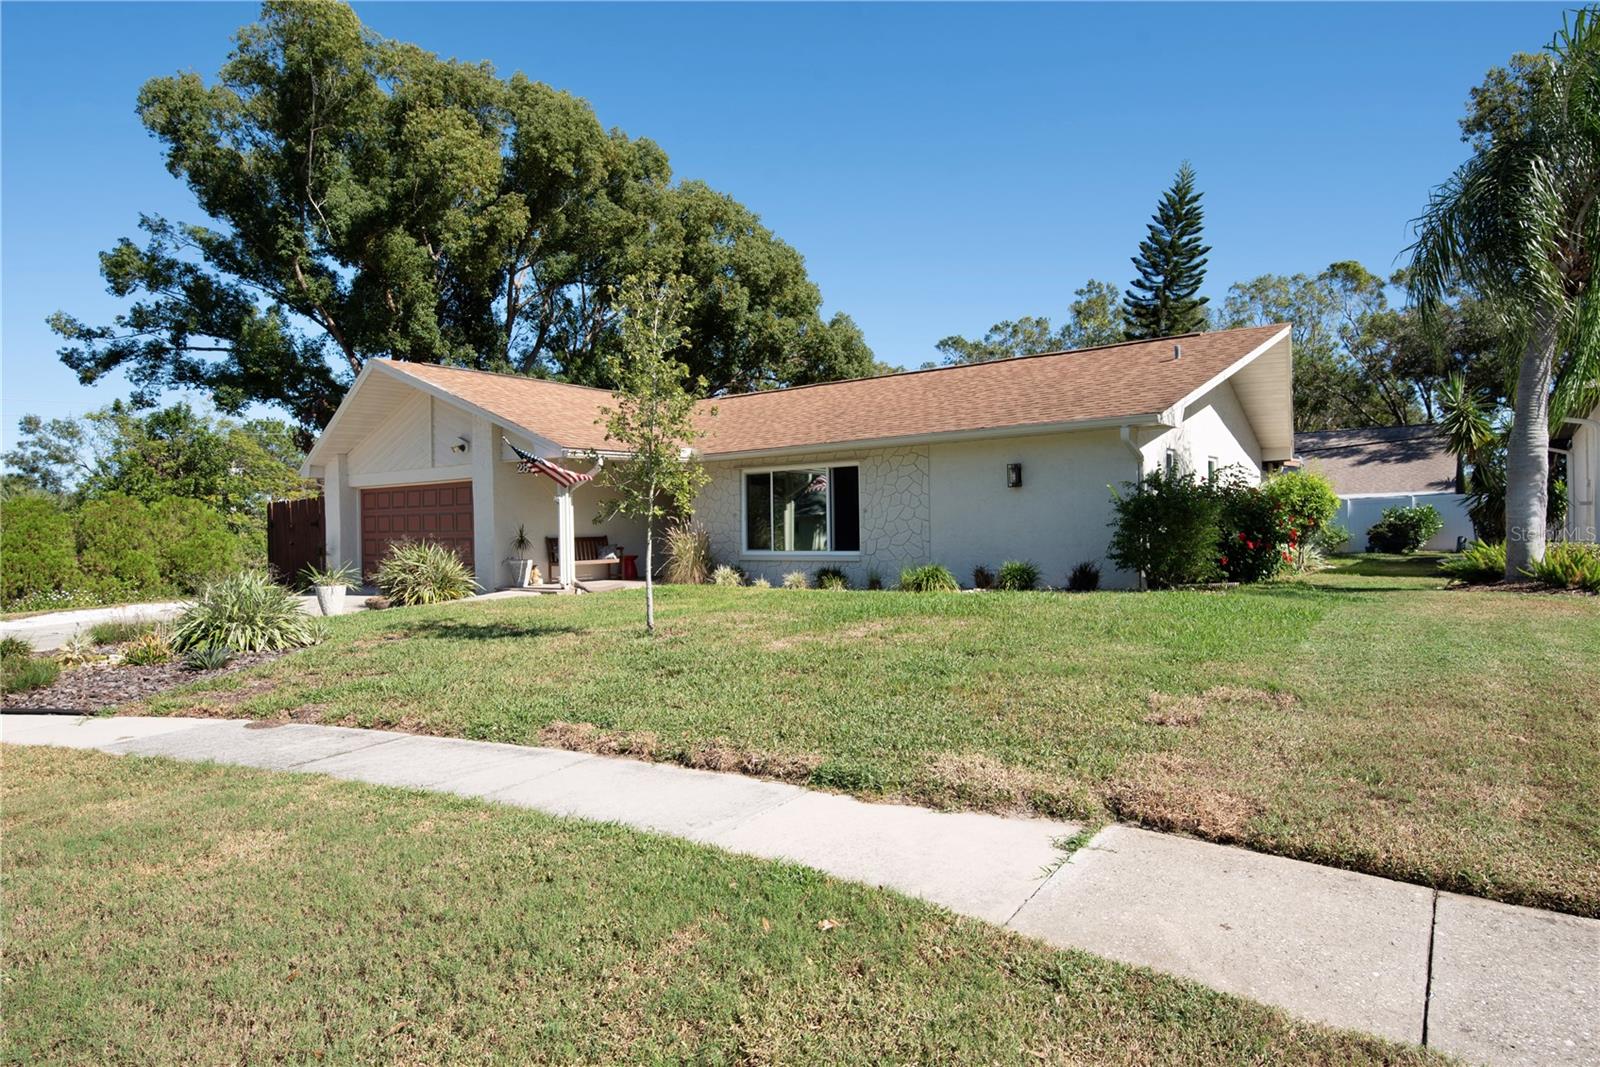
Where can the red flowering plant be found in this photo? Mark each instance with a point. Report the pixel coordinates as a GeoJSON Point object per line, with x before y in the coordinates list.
{"type": "Point", "coordinates": [1255, 533]}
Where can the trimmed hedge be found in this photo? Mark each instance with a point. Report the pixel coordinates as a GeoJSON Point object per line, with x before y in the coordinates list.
{"type": "Point", "coordinates": [36, 541]}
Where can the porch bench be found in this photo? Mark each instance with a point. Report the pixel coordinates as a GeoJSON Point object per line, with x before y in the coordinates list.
{"type": "Point", "coordinates": [586, 552]}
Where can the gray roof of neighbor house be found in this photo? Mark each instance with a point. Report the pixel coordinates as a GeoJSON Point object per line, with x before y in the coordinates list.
{"type": "Point", "coordinates": [1380, 459]}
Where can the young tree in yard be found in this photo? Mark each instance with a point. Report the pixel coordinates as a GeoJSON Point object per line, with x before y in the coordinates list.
{"type": "Point", "coordinates": [1171, 265]}
{"type": "Point", "coordinates": [653, 417]}
{"type": "Point", "coordinates": [1519, 223]}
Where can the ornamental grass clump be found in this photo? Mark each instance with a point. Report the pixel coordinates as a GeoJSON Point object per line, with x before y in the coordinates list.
{"type": "Point", "coordinates": [929, 578]}
{"type": "Point", "coordinates": [246, 612]}
{"type": "Point", "coordinates": [727, 576]}
{"type": "Point", "coordinates": [423, 572]}
{"type": "Point", "coordinates": [149, 649]}
{"type": "Point", "coordinates": [832, 578]}
{"type": "Point", "coordinates": [797, 580]}
{"type": "Point", "coordinates": [688, 548]}
{"type": "Point", "coordinates": [1017, 575]}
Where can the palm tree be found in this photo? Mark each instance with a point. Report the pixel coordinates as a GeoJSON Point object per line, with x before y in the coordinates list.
{"type": "Point", "coordinates": [1518, 223]}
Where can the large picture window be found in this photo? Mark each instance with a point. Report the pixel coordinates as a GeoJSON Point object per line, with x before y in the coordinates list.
{"type": "Point", "coordinates": [802, 509]}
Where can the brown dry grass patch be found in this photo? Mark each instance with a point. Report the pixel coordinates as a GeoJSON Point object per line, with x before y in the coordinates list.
{"type": "Point", "coordinates": [1172, 793]}
{"type": "Point", "coordinates": [1187, 709]}
{"type": "Point", "coordinates": [713, 755]}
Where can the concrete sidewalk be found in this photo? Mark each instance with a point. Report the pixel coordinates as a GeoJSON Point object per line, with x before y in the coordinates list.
{"type": "Point", "coordinates": [1489, 982]}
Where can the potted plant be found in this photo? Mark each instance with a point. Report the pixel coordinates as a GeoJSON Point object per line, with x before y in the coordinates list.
{"type": "Point", "coordinates": [330, 585]}
{"type": "Point", "coordinates": [522, 563]}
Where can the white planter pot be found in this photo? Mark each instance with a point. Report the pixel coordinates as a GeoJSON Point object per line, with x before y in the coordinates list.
{"type": "Point", "coordinates": [330, 598]}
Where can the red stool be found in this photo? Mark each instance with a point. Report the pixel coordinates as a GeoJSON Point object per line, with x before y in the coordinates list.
{"type": "Point", "coordinates": [630, 568]}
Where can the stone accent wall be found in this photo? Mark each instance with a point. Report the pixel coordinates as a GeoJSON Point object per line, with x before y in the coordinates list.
{"type": "Point", "coordinates": [894, 513]}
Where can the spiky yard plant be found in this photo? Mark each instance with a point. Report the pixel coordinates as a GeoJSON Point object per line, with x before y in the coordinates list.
{"type": "Point", "coordinates": [246, 612]}
{"type": "Point", "coordinates": [423, 572]}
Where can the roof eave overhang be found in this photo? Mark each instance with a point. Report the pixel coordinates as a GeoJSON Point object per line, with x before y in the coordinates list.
{"type": "Point", "coordinates": [1273, 424]}
{"type": "Point", "coordinates": [1153, 418]}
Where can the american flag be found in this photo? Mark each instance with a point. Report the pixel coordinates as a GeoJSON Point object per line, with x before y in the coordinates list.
{"type": "Point", "coordinates": [531, 464]}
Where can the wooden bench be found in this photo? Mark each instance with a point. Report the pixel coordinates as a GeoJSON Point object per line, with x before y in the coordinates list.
{"type": "Point", "coordinates": [586, 552]}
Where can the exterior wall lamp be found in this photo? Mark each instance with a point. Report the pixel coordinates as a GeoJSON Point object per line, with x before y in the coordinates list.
{"type": "Point", "coordinates": [1013, 476]}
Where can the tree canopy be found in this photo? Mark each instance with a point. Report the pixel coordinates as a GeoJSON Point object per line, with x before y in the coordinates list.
{"type": "Point", "coordinates": [1164, 299]}
{"type": "Point", "coordinates": [367, 198]}
{"type": "Point", "coordinates": [1093, 318]}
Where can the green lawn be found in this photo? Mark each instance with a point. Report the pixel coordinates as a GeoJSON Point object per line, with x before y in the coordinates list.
{"type": "Point", "coordinates": [158, 912]}
{"type": "Point", "coordinates": [1367, 717]}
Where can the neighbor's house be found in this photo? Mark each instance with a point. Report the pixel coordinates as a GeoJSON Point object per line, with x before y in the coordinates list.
{"type": "Point", "coordinates": [1383, 467]}
{"type": "Point", "coordinates": [963, 466]}
{"type": "Point", "coordinates": [1579, 437]}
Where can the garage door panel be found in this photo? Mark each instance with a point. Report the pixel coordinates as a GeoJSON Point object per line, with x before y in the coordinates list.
{"type": "Point", "coordinates": [441, 513]}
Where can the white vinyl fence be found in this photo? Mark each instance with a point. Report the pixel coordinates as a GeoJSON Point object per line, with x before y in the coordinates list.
{"type": "Point", "coordinates": [1358, 513]}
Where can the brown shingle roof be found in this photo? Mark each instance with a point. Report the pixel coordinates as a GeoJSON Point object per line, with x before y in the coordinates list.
{"type": "Point", "coordinates": [1380, 459]}
{"type": "Point", "coordinates": [569, 415]}
{"type": "Point", "coordinates": [1117, 381]}
{"type": "Point", "coordinates": [1094, 384]}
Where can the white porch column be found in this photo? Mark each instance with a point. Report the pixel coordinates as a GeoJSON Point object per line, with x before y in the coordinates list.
{"type": "Point", "coordinates": [487, 552]}
{"type": "Point", "coordinates": [341, 514]}
{"type": "Point", "coordinates": [566, 538]}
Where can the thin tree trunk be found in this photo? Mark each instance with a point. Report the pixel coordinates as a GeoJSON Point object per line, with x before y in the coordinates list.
{"type": "Point", "coordinates": [649, 567]}
{"type": "Point", "coordinates": [1528, 450]}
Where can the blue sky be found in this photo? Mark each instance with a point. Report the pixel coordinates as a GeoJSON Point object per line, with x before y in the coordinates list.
{"type": "Point", "coordinates": [940, 167]}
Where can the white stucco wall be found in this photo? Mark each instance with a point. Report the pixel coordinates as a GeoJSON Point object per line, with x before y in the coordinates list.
{"type": "Point", "coordinates": [1215, 426]}
{"type": "Point", "coordinates": [1583, 482]}
{"type": "Point", "coordinates": [1056, 519]}
{"type": "Point", "coordinates": [530, 500]}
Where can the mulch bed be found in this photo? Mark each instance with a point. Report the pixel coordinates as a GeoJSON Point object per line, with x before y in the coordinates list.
{"type": "Point", "coordinates": [104, 685]}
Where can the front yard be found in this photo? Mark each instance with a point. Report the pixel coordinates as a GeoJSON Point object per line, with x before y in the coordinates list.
{"type": "Point", "coordinates": [172, 913]}
{"type": "Point", "coordinates": [1366, 717]}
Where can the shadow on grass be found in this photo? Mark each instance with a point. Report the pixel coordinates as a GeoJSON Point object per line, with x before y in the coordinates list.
{"type": "Point", "coordinates": [1385, 566]}
{"type": "Point", "coordinates": [453, 630]}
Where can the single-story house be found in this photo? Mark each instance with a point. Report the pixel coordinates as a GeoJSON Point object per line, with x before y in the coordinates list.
{"type": "Point", "coordinates": [964, 466]}
{"type": "Point", "coordinates": [1380, 467]}
{"type": "Point", "coordinates": [1579, 438]}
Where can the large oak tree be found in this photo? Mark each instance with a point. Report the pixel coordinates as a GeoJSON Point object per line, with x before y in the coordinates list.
{"type": "Point", "coordinates": [366, 198]}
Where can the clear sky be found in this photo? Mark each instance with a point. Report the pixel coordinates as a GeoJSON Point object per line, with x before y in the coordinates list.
{"type": "Point", "coordinates": [940, 167]}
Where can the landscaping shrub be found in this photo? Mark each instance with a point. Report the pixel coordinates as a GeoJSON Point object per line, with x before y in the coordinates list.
{"type": "Point", "coordinates": [207, 658]}
{"type": "Point", "coordinates": [832, 578]}
{"type": "Point", "coordinates": [37, 546]}
{"type": "Point", "coordinates": [982, 577]}
{"type": "Point", "coordinates": [12, 647]}
{"type": "Point", "coordinates": [760, 582]}
{"type": "Point", "coordinates": [423, 572]}
{"type": "Point", "coordinates": [1167, 528]}
{"type": "Point", "coordinates": [1479, 562]}
{"type": "Point", "coordinates": [688, 548]}
{"type": "Point", "coordinates": [929, 578]}
{"type": "Point", "coordinates": [1568, 565]}
{"type": "Point", "coordinates": [1017, 575]}
{"type": "Point", "coordinates": [1403, 529]}
{"type": "Point", "coordinates": [797, 580]}
{"type": "Point", "coordinates": [194, 546]}
{"type": "Point", "coordinates": [119, 547]}
{"type": "Point", "coordinates": [247, 612]}
{"type": "Point", "coordinates": [1085, 577]}
{"type": "Point", "coordinates": [727, 576]}
{"type": "Point", "coordinates": [874, 580]}
{"type": "Point", "coordinates": [149, 649]}
{"type": "Point", "coordinates": [1256, 540]}
{"type": "Point", "coordinates": [1330, 538]}
{"type": "Point", "coordinates": [1303, 503]}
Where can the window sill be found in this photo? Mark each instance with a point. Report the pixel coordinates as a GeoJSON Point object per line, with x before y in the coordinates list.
{"type": "Point", "coordinates": [757, 555]}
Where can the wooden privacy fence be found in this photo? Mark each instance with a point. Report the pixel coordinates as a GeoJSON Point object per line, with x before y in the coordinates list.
{"type": "Point", "coordinates": [294, 537]}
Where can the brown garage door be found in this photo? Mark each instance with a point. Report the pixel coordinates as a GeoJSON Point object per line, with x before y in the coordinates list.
{"type": "Point", "coordinates": [441, 513]}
